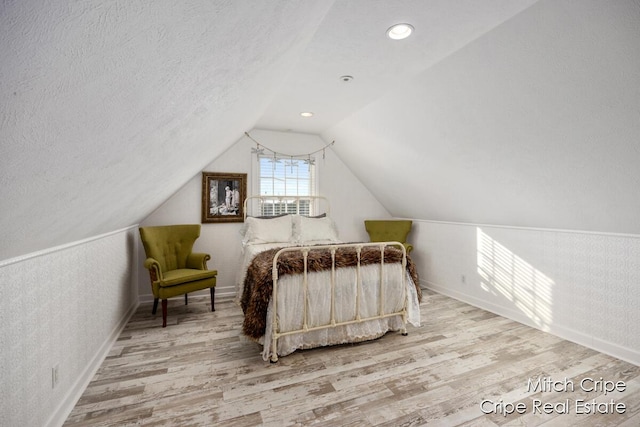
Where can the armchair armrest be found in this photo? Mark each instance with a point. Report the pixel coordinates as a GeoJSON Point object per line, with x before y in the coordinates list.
{"type": "Point", "coordinates": [198, 261]}
{"type": "Point", "coordinates": [408, 247]}
{"type": "Point", "coordinates": [154, 269]}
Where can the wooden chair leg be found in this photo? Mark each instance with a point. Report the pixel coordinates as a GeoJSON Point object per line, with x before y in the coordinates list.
{"type": "Point", "coordinates": [185, 299]}
{"type": "Point", "coordinates": [213, 297]}
{"type": "Point", "coordinates": [155, 306]}
{"type": "Point", "coordinates": [164, 313]}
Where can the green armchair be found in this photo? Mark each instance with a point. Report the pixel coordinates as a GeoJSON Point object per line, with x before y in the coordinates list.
{"type": "Point", "coordinates": [173, 268]}
{"type": "Point", "coordinates": [392, 230]}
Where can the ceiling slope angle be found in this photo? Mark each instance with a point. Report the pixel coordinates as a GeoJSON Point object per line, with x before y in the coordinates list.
{"type": "Point", "coordinates": [352, 41]}
{"type": "Point", "coordinates": [534, 124]}
{"type": "Point", "coordinates": [107, 109]}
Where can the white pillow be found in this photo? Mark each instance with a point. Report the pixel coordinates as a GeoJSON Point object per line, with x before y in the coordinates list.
{"type": "Point", "coordinates": [268, 230]}
{"type": "Point", "coordinates": [309, 229]}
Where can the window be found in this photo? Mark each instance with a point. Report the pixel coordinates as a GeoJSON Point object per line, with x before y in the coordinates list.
{"type": "Point", "coordinates": [286, 177]}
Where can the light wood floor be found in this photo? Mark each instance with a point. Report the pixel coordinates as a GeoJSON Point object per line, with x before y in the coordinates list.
{"type": "Point", "coordinates": [199, 371]}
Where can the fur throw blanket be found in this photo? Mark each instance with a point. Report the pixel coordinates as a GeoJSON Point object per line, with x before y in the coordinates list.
{"type": "Point", "coordinates": [258, 283]}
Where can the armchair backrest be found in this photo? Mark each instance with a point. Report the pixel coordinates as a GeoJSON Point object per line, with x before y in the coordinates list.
{"type": "Point", "coordinates": [388, 230]}
{"type": "Point", "coordinates": [170, 245]}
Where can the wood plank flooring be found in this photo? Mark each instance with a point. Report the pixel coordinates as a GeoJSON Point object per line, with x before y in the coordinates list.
{"type": "Point", "coordinates": [200, 371]}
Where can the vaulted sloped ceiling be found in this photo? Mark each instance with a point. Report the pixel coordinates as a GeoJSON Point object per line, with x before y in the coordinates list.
{"type": "Point", "coordinates": [536, 123]}
{"type": "Point", "coordinates": [516, 112]}
{"type": "Point", "coordinates": [109, 107]}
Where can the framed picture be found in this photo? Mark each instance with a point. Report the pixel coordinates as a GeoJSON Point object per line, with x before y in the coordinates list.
{"type": "Point", "coordinates": [223, 195]}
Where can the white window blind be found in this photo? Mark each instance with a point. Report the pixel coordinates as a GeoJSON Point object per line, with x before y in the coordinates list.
{"type": "Point", "coordinates": [286, 177]}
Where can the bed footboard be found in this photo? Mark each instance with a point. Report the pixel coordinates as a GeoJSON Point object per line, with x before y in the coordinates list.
{"type": "Point", "coordinates": [363, 291]}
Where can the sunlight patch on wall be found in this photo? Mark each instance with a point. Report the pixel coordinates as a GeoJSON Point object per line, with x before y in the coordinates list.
{"type": "Point", "coordinates": [504, 273]}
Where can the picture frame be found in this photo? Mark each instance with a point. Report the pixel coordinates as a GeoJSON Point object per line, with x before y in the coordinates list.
{"type": "Point", "coordinates": [223, 196]}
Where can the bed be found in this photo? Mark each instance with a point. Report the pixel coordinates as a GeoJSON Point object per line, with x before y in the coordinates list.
{"type": "Point", "coordinates": [301, 287]}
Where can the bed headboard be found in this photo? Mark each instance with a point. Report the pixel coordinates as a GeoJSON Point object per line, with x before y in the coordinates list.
{"type": "Point", "coordinates": [280, 205]}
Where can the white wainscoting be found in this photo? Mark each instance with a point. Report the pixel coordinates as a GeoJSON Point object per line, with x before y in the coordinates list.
{"type": "Point", "coordinates": [581, 286]}
{"type": "Point", "coordinates": [63, 307]}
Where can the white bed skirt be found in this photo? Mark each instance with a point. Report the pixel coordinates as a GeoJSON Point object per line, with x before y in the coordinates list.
{"type": "Point", "coordinates": [291, 308]}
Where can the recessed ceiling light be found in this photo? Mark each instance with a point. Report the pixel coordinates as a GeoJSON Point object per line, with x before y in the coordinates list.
{"type": "Point", "coordinates": [399, 31]}
{"type": "Point", "coordinates": [306, 114]}
{"type": "Point", "coordinates": [346, 79]}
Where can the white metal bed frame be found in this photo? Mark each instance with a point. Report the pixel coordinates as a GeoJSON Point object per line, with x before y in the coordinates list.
{"type": "Point", "coordinates": [276, 334]}
{"type": "Point", "coordinates": [315, 202]}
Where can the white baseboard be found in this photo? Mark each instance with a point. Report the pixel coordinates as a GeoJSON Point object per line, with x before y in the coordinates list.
{"type": "Point", "coordinates": [75, 392]}
{"type": "Point", "coordinates": [578, 337]}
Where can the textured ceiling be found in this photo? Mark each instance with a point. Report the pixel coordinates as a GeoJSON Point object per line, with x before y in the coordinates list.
{"type": "Point", "coordinates": [533, 124]}
{"type": "Point", "coordinates": [352, 41]}
{"type": "Point", "coordinates": [505, 112]}
{"type": "Point", "coordinates": [107, 108]}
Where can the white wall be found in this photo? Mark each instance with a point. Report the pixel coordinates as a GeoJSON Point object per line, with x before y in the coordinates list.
{"type": "Point", "coordinates": [62, 307]}
{"type": "Point", "coordinates": [581, 286]}
{"type": "Point", "coordinates": [351, 203]}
